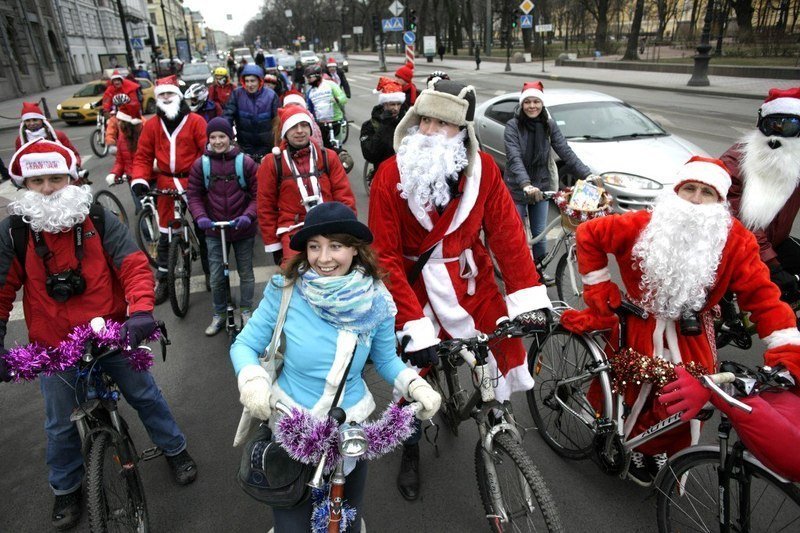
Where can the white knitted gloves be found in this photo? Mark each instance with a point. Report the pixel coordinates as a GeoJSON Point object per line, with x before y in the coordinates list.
{"type": "Point", "coordinates": [420, 391]}
{"type": "Point", "coordinates": [255, 390]}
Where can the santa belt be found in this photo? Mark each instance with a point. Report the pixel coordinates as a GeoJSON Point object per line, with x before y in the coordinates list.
{"type": "Point", "coordinates": [179, 175]}
{"type": "Point", "coordinates": [467, 269]}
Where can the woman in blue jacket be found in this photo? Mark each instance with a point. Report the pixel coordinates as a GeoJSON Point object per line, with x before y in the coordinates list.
{"type": "Point", "coordinates": [338, 304]}
{"type": "Point", "coordinates": [251, 109]}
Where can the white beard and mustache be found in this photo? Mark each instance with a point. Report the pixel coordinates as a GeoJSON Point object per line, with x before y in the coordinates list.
{"type": "Point", "coordinates": [426, 162]}
{"type": "Point", "coordinates": [54, 213]}
{"type": "Point", "coordinates": [678, 253]}
{"type": "Point", "coordinates": [171, 108]}
{"type": "Point", "coordinates": [770, 177]}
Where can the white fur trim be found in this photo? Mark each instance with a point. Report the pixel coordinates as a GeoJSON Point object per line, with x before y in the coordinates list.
{"type": "Point", "coordinates": [294, 99]}
{"type": "Point", "coordinates": [404, 379]}
{"type": "Point", "coordinates": [28, 116]}
{"type": "Point", "coordinates": [527, 299]}
{"type": "Point", "coordinates": [293, 121]}
{"type": "Point", "coordinates": [127, 118]}
{"type": "Point", "coordinates": [422, 332]}
{"type": "Point", "coordinates": [274, 247]}
{"type": "Point", "coordinates": [276, 151]}
{"type": "Point", "coordinates": [596, 276]}
{"type": "Point", "coordinates": [358, 412]}
{"type": "Point", "coordinates": [392, 97]}
{"type": "Point", "coordinates": [531, 93]}
{"type": "Point", "coordinates": [173, 142]}
{"type": "Point", "coordinates": [140, 181]}
{"type": "Point", "coordinates": [161, 89]}
{"type": "Point", "coordinates": [41, 164]}
{"type": "Point", "coordinates": [472, 188]}
{"type": "Point", "coordinates": [785, 106]}
{"type": "Point", "coordinates": [782, 337]}
{"type": "Point", "coordinates": [704, 172]}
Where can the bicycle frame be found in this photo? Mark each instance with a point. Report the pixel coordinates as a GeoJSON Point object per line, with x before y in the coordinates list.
{"type": "Point", "coordinates": [230, 317]}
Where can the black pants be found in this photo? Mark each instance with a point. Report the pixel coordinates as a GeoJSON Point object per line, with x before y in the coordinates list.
{"type": "Point", "coordinates": [789, 255]}
{"type": "Point", "coordinates": [325, 128]}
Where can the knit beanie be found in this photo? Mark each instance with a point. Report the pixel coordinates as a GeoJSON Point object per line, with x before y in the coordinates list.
{"type": "Point", "coordinates": [220, 124]}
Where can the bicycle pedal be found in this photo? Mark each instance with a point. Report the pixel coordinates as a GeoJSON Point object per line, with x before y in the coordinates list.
{"type": "Point", "coordinates": [151, 453]}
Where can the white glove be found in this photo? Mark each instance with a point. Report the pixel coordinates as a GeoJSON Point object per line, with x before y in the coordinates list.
{"type": "Point", "coordinates": [420, 391]}
{"type": "Point", "coordinates": [254, 391]}
{"type": "Point", "coordinates": [112, 149]}
{"type": "Point", "coordinates": [111, 179]}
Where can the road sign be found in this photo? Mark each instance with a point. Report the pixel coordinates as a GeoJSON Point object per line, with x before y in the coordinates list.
{"type": "Point", "coordinates": [526, 6]}
{"type": "Point", "coordinates": [542, 28]}
{"type": "Point", "coordinates": [526, 21]}
{"type": "Point", "coordinates": [392, 24]}
{"type": "Point", "coordinates": [137, 43]}
{"type": "Point", "coordinates": [396, 8]}
{"type": "Point", "coordinates": [358, 30]}
{"type": "Point", "coordinates": [346, 36]}
{"type": "Point", "coordinates": [409, 37]}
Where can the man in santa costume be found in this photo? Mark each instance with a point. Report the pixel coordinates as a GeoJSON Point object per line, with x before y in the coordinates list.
{"type": "Point", "coordinates": [295, 177]}
{"type": "Point", "coordinates": [34, 125]}
{"type": "Point", "coordinates": [765, 193]}
{"type": "Point", "coordinates": [428, 207]}
{"type": "Point", "coordinates": [119, 84]}
{"type": "Point", "coordinates": [676, 262]}
{"type": "Point", "coordinates": [175, 138]}
{"type": "Point", "coordinates": [377, 133]}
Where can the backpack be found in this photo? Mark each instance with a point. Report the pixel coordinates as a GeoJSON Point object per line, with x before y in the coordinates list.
{"type": "Point", "coordinates": [20, 230]}
{"type": "Point", "coordinates": [239, 166]}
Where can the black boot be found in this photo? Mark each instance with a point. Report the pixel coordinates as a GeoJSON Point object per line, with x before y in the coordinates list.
{"type": "Point", "coordinates": [408, 478]}
{"type": "Point", "coordinates": [67, 510]}
{"type": "Point", "coordinates": [161, 291]}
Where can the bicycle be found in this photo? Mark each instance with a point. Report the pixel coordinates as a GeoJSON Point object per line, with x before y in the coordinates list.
{"type": "Point", "coordinates": [98, 139]}
{"type": "Point", "coordinates": [515, 497]}
{"type": "Point", "coordinates": [184, 247]}
{"type": "Point", "coordinates": [147, 224]}
{"type": "Point", "coordinates": [722, 487]}
{"type": "Point", "coordinates": [230, 307]}
{"type": "Point", "coordinates": [110, 201]}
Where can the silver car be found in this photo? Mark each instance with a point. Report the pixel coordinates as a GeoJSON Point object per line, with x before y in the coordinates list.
{"type": "Point", "coordinates": [635, 156]}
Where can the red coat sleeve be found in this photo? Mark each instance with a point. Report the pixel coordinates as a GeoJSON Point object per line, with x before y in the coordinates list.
{"type": "Point", "coordinates": [606, 235]}
{"type": "Point", "coordinates": [340, 183]}
{"type": "Point", "coordinates": [146, 151]}
{"type": "Point", "coordinates": [267, 203]}
{"type": "Point", "coordinates": [107, 96]}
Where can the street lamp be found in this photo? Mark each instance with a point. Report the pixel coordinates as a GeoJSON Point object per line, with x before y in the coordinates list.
{"type": "Point", "coordinates": [700, 72]}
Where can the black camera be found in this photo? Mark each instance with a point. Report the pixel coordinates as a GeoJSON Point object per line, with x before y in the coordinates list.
{"type": "Point", "coordinates": [690, 324]}
{"type": "Point", "coordinates": [64, 285]}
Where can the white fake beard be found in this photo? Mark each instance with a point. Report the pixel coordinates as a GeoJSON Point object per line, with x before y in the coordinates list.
{"type": "Point", "coordinates": [770, 177]}
{"type": "Point", "coordinates": [171, 108]}
{"type": "Point", "coordinates": [425, 163]}
{"type": "Point", "coordinates": [54, 213]}
{"type": "Point", "coordinates": [41, 133]}
{"type": "Point", "coordinates": [678, 253]}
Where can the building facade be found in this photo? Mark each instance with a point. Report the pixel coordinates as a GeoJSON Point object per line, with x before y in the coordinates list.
{"type": "Point", "coordinates": [166, 16]}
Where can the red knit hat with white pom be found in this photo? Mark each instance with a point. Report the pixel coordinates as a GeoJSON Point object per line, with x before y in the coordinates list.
{"type": "Point", "coordinates": [532, 89]}
{"type": "Point", "coordinates": [707, 170]}
{"type": "Point", "coordinates": [42, 158]}
{"type": "Point", "coordinates": [389, 91]}
{"type": "Point", "coordinates": [291, 116]}
{"type": "Point", "coordinates": [293, 97]}
{"type": "Point", "coordinates": [332, 62]}
{"type": "Point", "coordinates": [405, 73]}
{"type": "Point", "coordinates": [782, 102]}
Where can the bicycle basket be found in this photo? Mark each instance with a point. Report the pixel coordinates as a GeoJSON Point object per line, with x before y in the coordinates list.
{"type": "Point", "coordinates": [571, 217]}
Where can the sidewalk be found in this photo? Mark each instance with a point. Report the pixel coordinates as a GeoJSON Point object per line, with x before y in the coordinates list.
{"type": "Point", "coordinates": [10, 109]}
{"type": "Point", "coordinates": [726, 86]}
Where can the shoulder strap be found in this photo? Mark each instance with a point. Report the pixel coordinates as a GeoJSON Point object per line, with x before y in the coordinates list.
{"type": "Point", "coordinates": [19, 238]}
{"type": "Point", "coordinates": [98, 216]}
{"type": "Point", "coordinates": [325, 160]}
{"type": "Point", "coordinates": [239, 164]}
{"type": "Point", "coordinates": [344, 378]}
{"type": "Point", "coordinates": [272, 347]}
{"type": "Point", "coordinates": [206, 162]}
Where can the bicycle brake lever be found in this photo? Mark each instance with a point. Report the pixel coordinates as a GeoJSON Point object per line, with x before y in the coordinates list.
{"type": "Point", "coordinates": [163, 340]}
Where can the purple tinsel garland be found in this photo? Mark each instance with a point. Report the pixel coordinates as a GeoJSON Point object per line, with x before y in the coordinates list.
{"type": "Point", "coordinates": [27, 362]}
{"type": "Point", "coordinates": [305, 437]}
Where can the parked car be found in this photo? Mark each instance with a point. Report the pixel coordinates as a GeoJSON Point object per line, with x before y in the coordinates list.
{"type": "Point", "coordinates": [287, 61]}
{"type": "Point", "coordinates": [239, 53]}
{"type": "Point", "coordinates": [79, 108]}
{"type": "Point", "coordinates": [195, 73]}
{"type": "Point", "coordinates": [307, 58]}
{"type": "Point", "coordinates": [635, 156]}
{"type": "Point", "coordinates": [340, 58]}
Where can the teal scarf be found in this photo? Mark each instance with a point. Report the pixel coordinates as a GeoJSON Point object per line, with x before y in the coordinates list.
{"type": "Point", "coordinates": [355, 302]}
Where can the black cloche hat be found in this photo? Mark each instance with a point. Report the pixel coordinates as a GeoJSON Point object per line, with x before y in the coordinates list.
{"type": "Point", "coordinates": [328, 218]}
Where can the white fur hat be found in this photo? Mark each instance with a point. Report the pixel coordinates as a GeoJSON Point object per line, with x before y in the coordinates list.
{"type": "Point", "coordinates": [705, 170]}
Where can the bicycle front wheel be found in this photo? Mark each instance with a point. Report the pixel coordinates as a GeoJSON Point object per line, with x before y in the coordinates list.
{"type": "Point", "coordinates": [367, 176]}
{"type": "Point", "coordinates": [689, 491]}
{"type": "Point", "coordinates": [179, 273]}
{"type": "Point", "coordinates": [147, 234]}
{"type": "Point", "coordinates": [98, 144]}
{"type": "Point", "coordinates": [521, 499]}
{"type": "Point", "coordinates": [568, 281]}
{"type": "Point", "coordinates": [559, 403]}
{"type": "Point", "coordinates": [115, 494]}
{"type": "Point", "coordinates": [109, 200]}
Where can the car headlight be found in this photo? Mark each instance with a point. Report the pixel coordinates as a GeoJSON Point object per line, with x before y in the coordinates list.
{"type": "Point", "coordinates": [87, 106]}
{"type": "Point", "coordinates": [345, 63]}
{"type": "Point", "coordinates": [630, 181]}
{"type": "Point", "coordinates": [58, 107]}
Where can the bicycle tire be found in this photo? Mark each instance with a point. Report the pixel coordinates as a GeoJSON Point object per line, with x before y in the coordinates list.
{"type": "Point", "coordinates": [114, 491]}
{"type": "Point", "coordinates": [701, 495]}
{"type": "Point", "coordinates": [560, 356]}
{"type": "Point", "coordinates": [346, 127]}
{"type": "Point", "coordinates": [110, 201]}
{"type": "Point", "coordinates": [366, 177]}
{"type": "Point", "coordinates": [522, 517]}
{"type": "Point", "coordinates": [179, 274]}
{"type": "Point", "coordinates": [147, 234]}
{"type": "Point", "coordinates": [98, 144]}
{"type": "Point", "coordinates": [572, 296]}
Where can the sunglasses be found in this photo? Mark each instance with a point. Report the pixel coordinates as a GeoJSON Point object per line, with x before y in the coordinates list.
{"type": "Point", "coordinates": [779, 125]}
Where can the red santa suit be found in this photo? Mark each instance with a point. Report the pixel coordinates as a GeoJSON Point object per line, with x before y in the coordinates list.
{"type": "Point", "coordinates": [129, 87]}
{"type": "Point", "coordinates": [32, 110]}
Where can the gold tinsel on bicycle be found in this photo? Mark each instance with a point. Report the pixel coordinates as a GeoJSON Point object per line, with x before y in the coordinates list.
{"type": "Point", "coordinates": [630, 367]}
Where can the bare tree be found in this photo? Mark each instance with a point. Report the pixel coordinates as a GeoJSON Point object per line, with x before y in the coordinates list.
{"type": "Point", "coordinates": [599, 9]}
{"type": "Point", "coordinates": [744, 19]}
{"type": "Point", "coordinates": [631, 50]}
{"type": "Point", "coordinates": [666, 11]}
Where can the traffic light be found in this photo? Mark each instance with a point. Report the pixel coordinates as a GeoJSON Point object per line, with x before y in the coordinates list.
{"type": "Point", "coordinates": [412, 20]}
{"type": "Point", "coordinates": [376, 24]}
{"type": "Point", "coordinates": [515, 18]}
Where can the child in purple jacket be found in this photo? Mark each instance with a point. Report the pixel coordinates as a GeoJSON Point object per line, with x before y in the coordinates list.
{"type": "Point", "coordinates": [222, 187]}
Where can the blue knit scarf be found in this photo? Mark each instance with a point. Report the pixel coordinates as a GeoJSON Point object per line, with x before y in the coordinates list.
{"type": "Point", "coordinates": [354, 302]}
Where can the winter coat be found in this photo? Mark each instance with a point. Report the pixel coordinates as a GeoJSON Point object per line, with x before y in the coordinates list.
{"type": "Point", "coordinates": [119, 281]}
{"type": "Point", "coordinates": [252, 116]}
{"type": "Point", "coordinates": [316, 133]}
{"type": "Point", "coordinates": [326, 101]}
{"type": "Point", "coordinates": [131, 88]}
{"type": "Point", "coordinates": [377, 136]}
{"type": "Point", "coordinates": [123, 163]}
{"type": "Point", "coordinates": [224, 199]}
{"type": "Point", "coordinates": [516, 177]}
{"type": "Point", "coordinates": [220, 93]}
{"type": "Point", "coordinates": [55, 135]}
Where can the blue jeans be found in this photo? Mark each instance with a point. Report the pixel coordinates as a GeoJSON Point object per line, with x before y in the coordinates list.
{"type": "Point", "coordinates": [537, 217]}
{"type": "Point", "coordinates": [63, 442]}
{"type": "Point", "coordinates": [243, 250]}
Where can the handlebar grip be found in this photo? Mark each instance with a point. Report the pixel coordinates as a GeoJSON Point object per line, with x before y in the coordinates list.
{"type": "Point", "coordinates": [722, 377]}
{"type": "Point", "coordinates": [626, 307]}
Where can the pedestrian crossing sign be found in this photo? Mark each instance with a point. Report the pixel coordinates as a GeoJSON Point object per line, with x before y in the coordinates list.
{"type": "Point", "coordinates": [392, 24]}
{"type": "Point", "coordinates": [526, 21]}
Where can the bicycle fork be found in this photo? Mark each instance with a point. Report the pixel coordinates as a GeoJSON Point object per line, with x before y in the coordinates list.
{"type": "Point", "coordinates": [230, 317]}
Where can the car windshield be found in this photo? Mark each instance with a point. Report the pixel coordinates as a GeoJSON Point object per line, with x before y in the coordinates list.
{"type": "Point", "coordinates": [603, 121]}
{"type": "Point", "coordinates": [93, 89]}
{"type": "Point", "coordinates": [307, 53]}
{"type": "Point", "coordinates": [195, 69]}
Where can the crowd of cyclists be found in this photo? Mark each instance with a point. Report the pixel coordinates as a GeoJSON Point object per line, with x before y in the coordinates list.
{"type": "Point", "coordinates": [262, 153]}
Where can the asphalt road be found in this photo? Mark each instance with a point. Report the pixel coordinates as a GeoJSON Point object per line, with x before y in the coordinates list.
{"type": "Point", "coordinates": [199, 384]}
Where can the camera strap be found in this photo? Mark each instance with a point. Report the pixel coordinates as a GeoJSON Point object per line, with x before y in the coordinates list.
{"type": "Point", "coordinates": [43, 251]}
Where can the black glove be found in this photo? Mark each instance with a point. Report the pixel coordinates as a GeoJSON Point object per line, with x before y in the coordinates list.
{"type": "Point", "coordinates": [137, 328]}
{"type": "Point", "coordinates": [420, 358]}
{"type": "Point", "coordinates": [785, 281]}
{"type": "Point", "coordinates": [277, 257]}
{"type": "Point", "coordinates": [5, 372]}
{"type": "Point", "coordinates": [139, 189]}
{"type": "Point", "coordinates": [537, 321]}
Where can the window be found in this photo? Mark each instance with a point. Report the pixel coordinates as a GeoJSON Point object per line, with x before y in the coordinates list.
{"type": "Point", "coordinates": [503, 111]}
{"type": "Point", "coordinates": [13, 39]}
{"type": "Point", "coordinates": [153, 19]}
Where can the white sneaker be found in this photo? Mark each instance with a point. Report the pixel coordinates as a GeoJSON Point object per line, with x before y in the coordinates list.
{"type": "Point", "coordinates": [247, 314]}
{"type": "Point", "coordinates": [217, 323]}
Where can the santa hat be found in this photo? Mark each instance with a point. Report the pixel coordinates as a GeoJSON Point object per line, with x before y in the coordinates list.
{"type": "Point", "coordinates": [117, 75]}
{"type": "Point", "coordinates": [708, 171]}
{"type": "Point", "coordinates": [782, 102]}
{"type": "Point", "coordinates": [130, 112]}
{"type": "Point", "coordinates": [31, 110]}
{"type": "Point", "coordinates": [389, 91]}
{"type": "Point", "coordinates": [405, 73]}
{"type": "Point", "coordinates": [532, 89]}
{"type": "Point", "coordinates": [291, 116]}
{"type": "Point", "coordinates": [270, 78]}
{"type": "Point", "coordinates": [293, 97]}
{"type": "Point", "coordinates": [167, 84]}
{"type": "Point", "coordinates": [445, 100]}
{"type": "Point", "coordinates": [332, 62]}
{"type": "Point", "coordinates": [42, 158]}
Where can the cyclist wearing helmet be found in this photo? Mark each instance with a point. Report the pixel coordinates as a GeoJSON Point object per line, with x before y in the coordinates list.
{"type": "Point", "coordinates": [196, 97]}
{"type": "Point", "coordinates": [119, 84]}
{"type": "Point", "coordinates": [437, 74]}
{"type": "Point", "coordinates": [326, 103]}
{"type": "Point", "coordinates": [221, 89]}
{"type": "Point", "coordinates": [252, 108]}
{"type": "Point", "coordinates": [117, 102]}
{"type": "Point", "coordinates": [122, 134]}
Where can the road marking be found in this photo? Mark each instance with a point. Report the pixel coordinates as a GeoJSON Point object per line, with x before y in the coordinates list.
{"type": "Point", "coordinates": [356, 126]}
{"type": "Point", "coordinates": [86, 158]}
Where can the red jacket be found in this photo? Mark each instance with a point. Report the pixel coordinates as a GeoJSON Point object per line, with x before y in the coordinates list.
{"type": "Point", "coordinates": [220, 93]}
{"type": "Point", "coordinates": [128, 87]}
{"type": "Point", "coordinates": [282, 213]}
{"type": "Point", "coordinates": [174, 155]}
{"type": "Point", "coordinates": [118, 278]}
{"type": "Point", "coordinates": [61, 138]}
